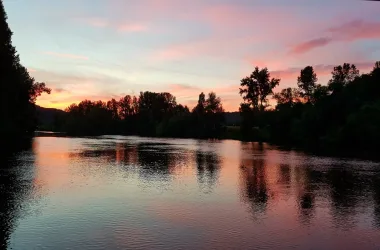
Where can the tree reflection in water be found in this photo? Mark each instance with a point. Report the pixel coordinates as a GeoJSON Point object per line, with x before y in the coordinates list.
{"type": "Point", "coordinates": [208, 168]}
{"type": "Point", "coordinates": [297, 197]}
{"type": "Point", "coordinates": [305, 193]}
{"type": "Point", "coordinates": [16, 184]}
{"type": "Point", "coordinates": [254, 182]}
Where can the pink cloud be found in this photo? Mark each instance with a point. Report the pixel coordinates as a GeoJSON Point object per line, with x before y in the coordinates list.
{"type": "Point", "coordinates": [60, 90]}
{"type": "Point", "coordinates": [216, 46]}
{"type": "Point", "coordinates": [221, 15]}
{"type": "Point", "coordinates": [232, 28]}
{"type": "Point", "coordinates": [236, 16]}
{"type": "Point", "coordinates": [71, 56]}
{"type": "Point", "coordinates": [350, 31]}
{"type": "Point", "coordinates": [183, 88]}
{"type": "Point", "coordinates": [356, 30]}
{"type": "Point", "coordinates": [312, 44]}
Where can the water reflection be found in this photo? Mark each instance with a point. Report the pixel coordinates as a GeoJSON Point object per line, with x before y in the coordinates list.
{"type": "Point", "coordinates": [347, 190]}
{"type": "Point", "coordinates": [208, 168]}
{"type": "Point", "coordinates": [126, 154]}
{"type": "Point", "coordinates": [284, 175]}
{"type": "Point", "coordinates": [158, 193]}
{"type": "Point", "coordinates": [306, 187]}
{"type": "Point", "coordinates": [15, 187]}
{"type": "Point", "coordinates": [160, 161]}
{"type": "Point", "coordinates": [254, 186]}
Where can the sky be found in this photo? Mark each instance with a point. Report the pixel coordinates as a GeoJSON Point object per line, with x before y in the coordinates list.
{"type": "Point", "coordinates": [103, 49]}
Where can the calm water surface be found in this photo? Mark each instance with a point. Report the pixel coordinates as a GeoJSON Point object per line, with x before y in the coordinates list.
{"type": "Point", "coordinates": [115, 192]}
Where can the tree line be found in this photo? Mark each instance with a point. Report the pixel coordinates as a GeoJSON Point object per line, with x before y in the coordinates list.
{"type": "Point", "coordinates": [149, 114]}
{"type": "Point", "coordinates": [342, 115]}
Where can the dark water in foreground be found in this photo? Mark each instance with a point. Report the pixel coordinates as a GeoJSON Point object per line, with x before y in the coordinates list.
{"type": "Point", "coordinates": [129, 192]}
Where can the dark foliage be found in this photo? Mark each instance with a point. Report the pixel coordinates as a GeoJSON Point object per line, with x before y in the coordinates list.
{"type": "Point", "coordinates": [342, 116]}
{"type": "Point", "coordinates": [18, 90]}
{"type": "Point", "coordinates": [149, 114]}
{"type": "Point", "coordinates": [256, 88]}
{"type": "Point", "coordinates": [49, 119]}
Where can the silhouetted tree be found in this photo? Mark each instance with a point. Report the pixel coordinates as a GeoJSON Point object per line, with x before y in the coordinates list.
{"type": "Point", "coordinates": [256, 88]}
{"type": "Point", "coordinates": [320, 93]}
{"type": "Point", "coordinates": [126, 107]}
{"type": "Point", "coordinates": [344, 112]}
{"type": "Point", "coordinates": [376, 69]}
{"type": "Point", "coordinates": [288, 97]}
{"type": "Point", "coordinates": [213, 104]}
{"type": "Point", "coordinates": [208, 116]}
{"type": "Point", "coordinates": [18, 91]}
{"type": "Point", "coordinates": [201, 105]}
{"type": "Point", "coordinates": [90, 118]}
{"type": "Point", "coordinates": [150, 114]}
{"type": "Point", "coordinates": [247, 116]}
{"type": "Point", "coordinates": [113, 107]}
{"type": "Point", "coordinates": [307, 82]}
{"type": "Point", "coordinates": [342, 75]}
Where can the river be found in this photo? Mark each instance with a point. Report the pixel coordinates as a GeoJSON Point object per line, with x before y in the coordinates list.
{"type": "Point", "coordinates": [116, 192]}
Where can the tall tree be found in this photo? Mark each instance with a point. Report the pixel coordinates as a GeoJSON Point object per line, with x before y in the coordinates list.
{"type": "Point", "coordinates": [341, 75]}
{"type": "Point", "coordinates": [18, 91]}
{"type": "Point", "coordinates": [256, 88]}
{"type": "Point", "coordinates": [307, 82]}
{"type": "Point", "coordinates": [213, 104]}
{"type": "Point", "coordinates": [125, 107]}
{"type": "Point", "coordinates": [113, 107]}
{"type": "Point", "coordinates": [167, 103]}
{"type": "Point", "coordinates": [135, 105]}
{"type": "Point", "coordinates": [201, 105]}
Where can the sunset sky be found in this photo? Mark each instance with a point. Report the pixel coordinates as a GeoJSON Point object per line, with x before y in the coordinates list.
{"type": "Point", "coordinates": [103, 49]}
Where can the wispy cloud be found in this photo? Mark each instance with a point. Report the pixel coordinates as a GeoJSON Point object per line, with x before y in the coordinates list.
{"type": "Point", "coordinates": [309, 45]}
{"type": "Point", "coordinates": [70, 56]}
{"type": "Point", "coordinates": [60, 90]}
{"type": "Point", "coordinates": [349, 32]}
{"type": "Point", "coordinates": [357, 30]}
{"type": "Point", "coordinates": [178, 87]}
